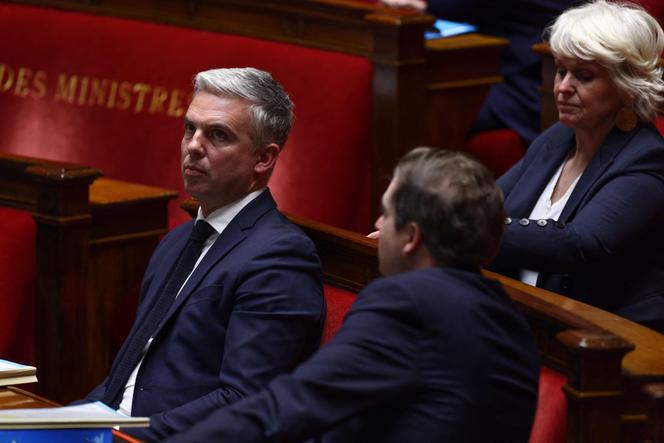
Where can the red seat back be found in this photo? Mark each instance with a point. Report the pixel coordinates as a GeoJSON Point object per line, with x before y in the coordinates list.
{"type": "Point", "coordinates": [499, 149]}
{"type": "Point", "coordinates": [551, 416]}
{"type": "Point", "coordinates": [54, 104]}
{"type": "Point", "coordinates": [18, 285]}
{"type": "Point", "coordinates": [338, 303]}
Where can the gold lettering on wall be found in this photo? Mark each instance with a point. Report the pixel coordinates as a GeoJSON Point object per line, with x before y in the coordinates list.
{"type": "Point", "coordinates": [158, 98]}
{"type": "Point", "coordinates": [98, 90]}
{"type": "Point", "coordinates": [141, 89]}
{"type": "Point", "coordinates": [22, 81]}
{"type": "Point", "coordinates": [87, 91]}
{"type": "Point", "coordinates": [66, 90]}
{"type": "Point", "coordinates": [6, 78]}
{"type": "Point", "coordinates": [39, 84]}
{"type": "Point", "coordinates": [125, 96]}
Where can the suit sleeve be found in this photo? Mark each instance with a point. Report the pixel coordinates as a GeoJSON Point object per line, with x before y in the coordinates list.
{"type": "Point", "coordinates": [371, 358]}
{"type": "Point", "coordinates": [275, 321]}
{"type": "Point", "coordinates": [465, 11]}
{"type": "Point", "coordinates": [620, 216]}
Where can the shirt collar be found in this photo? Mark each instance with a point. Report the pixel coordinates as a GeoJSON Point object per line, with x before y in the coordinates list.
{"type": "Point", "coordinates": [220, 218]}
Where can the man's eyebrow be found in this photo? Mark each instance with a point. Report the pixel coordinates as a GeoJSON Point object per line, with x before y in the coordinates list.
{"type": "Point", "coordinates": [209, 126]}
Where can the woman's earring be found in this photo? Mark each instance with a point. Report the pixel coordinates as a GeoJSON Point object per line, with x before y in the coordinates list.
{"type": "Point", "coordinates": [626, 119]}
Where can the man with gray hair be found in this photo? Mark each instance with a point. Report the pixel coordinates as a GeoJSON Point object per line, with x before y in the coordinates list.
{"type": "Point", "coordinates": [231, 299]}
{"type": "Point", "coordinates": [434, 352]}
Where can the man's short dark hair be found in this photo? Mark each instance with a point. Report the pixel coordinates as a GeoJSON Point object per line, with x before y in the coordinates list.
{"type": "Point", "coordinates": [456, 203]}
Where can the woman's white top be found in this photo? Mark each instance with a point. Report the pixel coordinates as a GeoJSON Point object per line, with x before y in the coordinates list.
{"type": "Point", "coordinates": [545, 210]}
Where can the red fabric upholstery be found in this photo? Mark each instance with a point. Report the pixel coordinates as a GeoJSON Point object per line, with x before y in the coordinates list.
{"type": "Point", "coordinates": [551, 417]}
{"type": "Point", "coordinates": [338, 303]}
{"type": "Point", "coordinates": [654, 7]}
{"type": "Point", "coordinates": [499, 149]}
{"type": "Point", "coordinates": [323, 173]}
{"type": "Point", "coordinates": [18, 285]}
{"type": "Point", "coordinates": [659, 124]}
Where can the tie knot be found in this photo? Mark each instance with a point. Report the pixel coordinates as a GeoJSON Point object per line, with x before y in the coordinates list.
{"type": "Point", "coordinates": [201, 231]}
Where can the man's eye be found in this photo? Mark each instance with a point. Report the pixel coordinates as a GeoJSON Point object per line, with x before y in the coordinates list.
{"type": "Point", "coordinates": [189, 128]}
{"type": "Point", "coordinates": [561, 72]}
{"type": "Point", "coordinates": [217, 134]}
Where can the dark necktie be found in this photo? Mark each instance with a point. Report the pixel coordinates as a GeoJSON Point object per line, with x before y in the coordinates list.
{"type": "Point", "coordinates": [134, 351]}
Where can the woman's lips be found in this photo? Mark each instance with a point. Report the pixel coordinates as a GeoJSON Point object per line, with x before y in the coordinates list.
{"type": "Point", "coordinates": [565, 105]}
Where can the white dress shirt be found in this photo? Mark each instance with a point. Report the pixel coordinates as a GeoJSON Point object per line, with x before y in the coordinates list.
{"type": "Point", "coordinates": [545, 210]}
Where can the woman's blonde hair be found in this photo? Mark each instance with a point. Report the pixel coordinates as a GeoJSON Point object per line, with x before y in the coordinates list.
{"type": "Point", "coordinates": [623, 38]}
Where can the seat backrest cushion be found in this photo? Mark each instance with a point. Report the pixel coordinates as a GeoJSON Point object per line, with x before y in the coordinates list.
{"type": "Point", "coordinates": [338, 303]}
{"type": "Point", "coordinates": [497, 149]}
{"type": "Point", "coordinates": [111, 93]}
{"type": "Point", "coordinates": [551, 416]}
{"type": "Point", "coordinates": [18, 285]}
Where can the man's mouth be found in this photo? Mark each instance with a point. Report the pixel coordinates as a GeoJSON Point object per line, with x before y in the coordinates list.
{"type": "Point", "coordinates": [192, 170]}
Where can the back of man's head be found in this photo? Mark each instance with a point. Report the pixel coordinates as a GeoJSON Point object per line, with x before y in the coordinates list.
{"type": "Point", "coordinates": [271, 109]}
{"type": "Point", "coordinates": [456, 203]}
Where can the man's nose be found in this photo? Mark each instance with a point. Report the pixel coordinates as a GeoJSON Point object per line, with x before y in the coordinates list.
{"type": "Point", "coordinates": [194, 144]}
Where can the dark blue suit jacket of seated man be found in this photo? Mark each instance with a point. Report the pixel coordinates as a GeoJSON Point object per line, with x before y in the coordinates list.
{"type": "Point", "coordinates": [427, 356]}
{"type": "Point", "coordinates": [607, 248]}
{"type": "Point", "coordinates": [252, 309]}
{"type": "Point", "coordinates": [514, 103]}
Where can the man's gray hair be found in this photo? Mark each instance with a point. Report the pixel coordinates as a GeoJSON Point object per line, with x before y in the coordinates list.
{"type": "Point", "coordinates": [456, 203]}
{"type": "Point", "coordinates": [271, 109]}
{"type": "Point", "coordinates": [623, 38]}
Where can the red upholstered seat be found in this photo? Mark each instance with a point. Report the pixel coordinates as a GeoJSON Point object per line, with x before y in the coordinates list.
{"type": "Point", "coordinates": [338, 302]}
{"type": "Point", "coordinates": [18, 285]}
{"type": "Point", "coordinates": [53, 113]}
{"type": "Point", "coordinates": [498, 149]}
{"type": "Point", "coordinates": [551, 417]}
{"type": "Point", "coordinates": [659, 124]}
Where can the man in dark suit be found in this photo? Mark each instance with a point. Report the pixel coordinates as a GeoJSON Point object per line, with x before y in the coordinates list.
{"type": "Point", "coordinates": [514, 103]}
{"type": "Point", "coordinates": [433, 352]}
{"type": "Point", "coordinates": [249, 304]}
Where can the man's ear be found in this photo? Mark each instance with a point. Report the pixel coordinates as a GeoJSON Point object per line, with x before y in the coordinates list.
{"type": "Point", "coordinates": [267, 159]}
{"type": "Point", "coordinates": [412, 238]}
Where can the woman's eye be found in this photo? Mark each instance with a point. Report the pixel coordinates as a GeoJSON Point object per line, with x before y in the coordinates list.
{"type": "Point", "coordinates": [584, 76]}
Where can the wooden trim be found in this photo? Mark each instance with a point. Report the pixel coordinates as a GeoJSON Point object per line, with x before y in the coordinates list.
{"type": "Point", "coordinates": [82, 271]}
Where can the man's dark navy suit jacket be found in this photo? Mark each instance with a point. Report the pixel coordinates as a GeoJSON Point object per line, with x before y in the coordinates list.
{"type": "Point", "coordinates": [428, 356]}
{"type": "Point", "coordinates": [516, 101]}
{"type": "Point", "coordinates": [253, 308]}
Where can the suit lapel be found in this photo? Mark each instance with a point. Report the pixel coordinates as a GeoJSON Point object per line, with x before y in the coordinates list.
{"type": "Point", "coordinates": [614, 143]}
{"type": "Point", "coordinates": [236, 231]}
{"type": "Point", "coordinates": [520, 202]}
